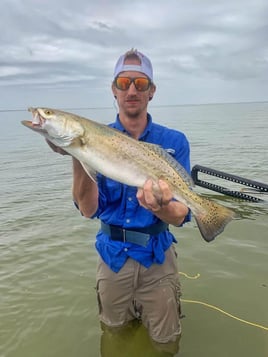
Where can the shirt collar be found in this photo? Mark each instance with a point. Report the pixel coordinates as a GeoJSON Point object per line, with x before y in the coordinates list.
{"type": "Point", "coordinates": [118, 125]}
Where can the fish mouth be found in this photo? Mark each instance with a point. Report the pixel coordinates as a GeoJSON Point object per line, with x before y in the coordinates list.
{"type": "Point", "coordinates": [37, 121]}
{"type": "Point", "coordinates": [36, 127]}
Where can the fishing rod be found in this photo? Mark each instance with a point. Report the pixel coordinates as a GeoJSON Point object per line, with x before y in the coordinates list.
{"type": "Point", "coordinates": [253, 187]}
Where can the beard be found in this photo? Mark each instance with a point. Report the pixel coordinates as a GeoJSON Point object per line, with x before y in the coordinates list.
{"type": "Point", "coordinates": [135, 110]}
{"type": "Point", "coordinates": [133, 113]}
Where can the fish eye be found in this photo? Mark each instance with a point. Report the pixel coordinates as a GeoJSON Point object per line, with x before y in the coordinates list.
{"type": "Point", "coordinates": [48, 112]}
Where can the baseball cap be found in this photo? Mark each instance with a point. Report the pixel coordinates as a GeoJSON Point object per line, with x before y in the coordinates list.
{"type": "Point", "coordinates": [145, 65]}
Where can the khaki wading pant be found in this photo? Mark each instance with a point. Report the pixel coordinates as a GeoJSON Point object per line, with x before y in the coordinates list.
{"type": "Point", "coordinates": [151, 295]}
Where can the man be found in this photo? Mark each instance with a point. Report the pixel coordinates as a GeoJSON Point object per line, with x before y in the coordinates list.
{"type": "Point", "coordinates": [137, 274]}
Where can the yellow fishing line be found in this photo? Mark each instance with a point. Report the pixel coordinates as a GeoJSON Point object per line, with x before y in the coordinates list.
{"type": "Point", "coordinates": [225, 313]}
{"type": "Point", "coordinates": [217, 308]}
{"type": "Point", "coordinates": [190, 277]}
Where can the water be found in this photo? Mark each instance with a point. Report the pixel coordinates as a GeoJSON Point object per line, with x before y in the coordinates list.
{"type": "Point", "coordinates": [47, 257]}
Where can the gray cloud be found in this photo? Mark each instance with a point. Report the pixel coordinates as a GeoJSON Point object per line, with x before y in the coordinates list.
{"type": "Point", "coordinates": [207, 50]}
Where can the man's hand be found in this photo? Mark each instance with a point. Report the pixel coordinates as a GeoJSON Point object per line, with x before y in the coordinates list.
{"type": "Point", "coordinates": [56, 148]}
{"type": "Point", "coordinates": [154, 201]}
{"type": "Point", "coordinates": [161, 203]}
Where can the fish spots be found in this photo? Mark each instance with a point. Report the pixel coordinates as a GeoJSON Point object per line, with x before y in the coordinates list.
{"type": "Point", "coordinates": [128, 161]}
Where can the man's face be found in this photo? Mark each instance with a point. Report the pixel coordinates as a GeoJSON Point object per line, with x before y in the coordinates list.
{"type": "Point", "coordinates": [133, 102]}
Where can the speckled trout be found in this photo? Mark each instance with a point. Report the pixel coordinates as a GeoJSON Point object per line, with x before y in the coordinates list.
{"type": "Point", "coordinates": [108, 151]}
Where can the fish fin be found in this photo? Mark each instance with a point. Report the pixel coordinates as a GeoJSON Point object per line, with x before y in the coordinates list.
{"type": "Point", "coordinates": [212, 219]}
{"type": "Point", "coordinates": [172, 162]}
{"type": "Point", "coordinates": [91, 172]}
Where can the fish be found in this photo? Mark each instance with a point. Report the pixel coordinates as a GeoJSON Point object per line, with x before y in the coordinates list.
{"type": "Point", "coordinates": [105, 150]}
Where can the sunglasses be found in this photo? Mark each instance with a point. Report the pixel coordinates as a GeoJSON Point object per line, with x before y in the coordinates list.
{"type": "Point", "coordinates": [141, 83]}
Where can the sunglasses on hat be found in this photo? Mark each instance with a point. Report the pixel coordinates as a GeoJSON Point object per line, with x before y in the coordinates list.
{"type": "Point", "coordinates": [141, 83]}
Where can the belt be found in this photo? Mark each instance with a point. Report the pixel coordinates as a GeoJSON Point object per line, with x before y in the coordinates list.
{"type": "Point", "coordinates": [138, 236]}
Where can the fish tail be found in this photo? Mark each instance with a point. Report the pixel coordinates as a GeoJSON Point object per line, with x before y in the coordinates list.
{"type": "Point", "coordinates": [213, 218]}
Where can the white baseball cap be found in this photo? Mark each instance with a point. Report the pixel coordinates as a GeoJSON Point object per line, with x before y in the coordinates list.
{"type": "Point", "coordinates": [145, 65]}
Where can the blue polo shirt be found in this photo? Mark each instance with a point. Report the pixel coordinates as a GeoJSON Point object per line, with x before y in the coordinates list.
{"type": "Point", "coordinates": [119, 206]}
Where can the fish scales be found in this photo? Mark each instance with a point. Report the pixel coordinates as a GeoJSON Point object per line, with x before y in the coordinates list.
{"type": "Point", "coordinates": [114, 154]}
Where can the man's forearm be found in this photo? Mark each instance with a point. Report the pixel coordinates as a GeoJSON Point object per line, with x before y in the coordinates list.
{"type": "Point", "coordinates": [85, 190]}
{"type": "Point", "coordinates": [174, 213]}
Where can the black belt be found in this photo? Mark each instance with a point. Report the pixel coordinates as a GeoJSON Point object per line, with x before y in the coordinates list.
{"type": "Point", "coordinates": [139, 236]}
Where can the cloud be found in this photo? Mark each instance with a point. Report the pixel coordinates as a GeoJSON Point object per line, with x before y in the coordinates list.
{"type": "Point", "coordinates": [66, 44]}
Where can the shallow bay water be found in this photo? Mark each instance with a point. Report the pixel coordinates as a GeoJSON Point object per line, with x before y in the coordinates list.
{"type": "Point", "coordinates": [48, 260]}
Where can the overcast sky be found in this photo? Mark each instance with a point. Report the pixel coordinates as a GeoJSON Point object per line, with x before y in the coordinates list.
{"type": "Point", "coordinates": [61, 53]}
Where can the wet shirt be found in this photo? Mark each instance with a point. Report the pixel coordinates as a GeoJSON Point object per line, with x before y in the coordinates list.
{"type": "Point", "coordinates": [119, 206]}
